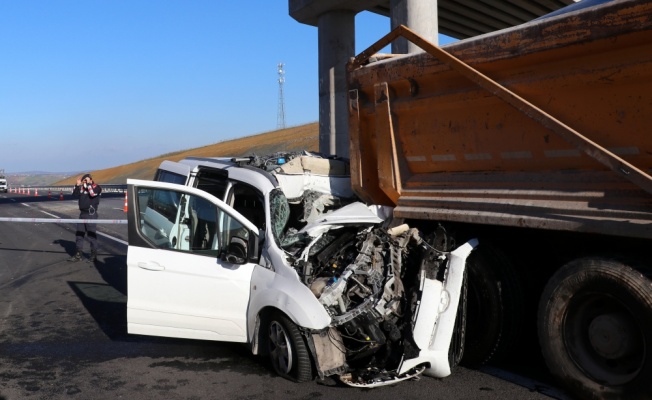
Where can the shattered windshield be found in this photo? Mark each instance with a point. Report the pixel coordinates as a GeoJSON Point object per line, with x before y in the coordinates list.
{"type": "Point", "coordinates": [280, 214]}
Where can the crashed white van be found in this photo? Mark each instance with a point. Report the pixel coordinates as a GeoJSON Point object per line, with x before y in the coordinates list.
{"type": "Point", "coordinates": [275, 252]}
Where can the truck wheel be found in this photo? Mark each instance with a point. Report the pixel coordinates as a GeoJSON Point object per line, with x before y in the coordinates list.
{"type": "Point", "coordinates": [595, 329]}
{"type": "Point", "coordinates": [494, 306]}
{"type": "Point", "coordinates": [287, 349]}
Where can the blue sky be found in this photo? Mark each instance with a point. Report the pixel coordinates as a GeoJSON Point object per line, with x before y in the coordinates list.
{"type": "Point", "coordinates": [90, 84]}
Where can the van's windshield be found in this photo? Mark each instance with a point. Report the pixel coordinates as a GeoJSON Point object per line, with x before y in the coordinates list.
{"type": "Point", "coordinates": [279, 214]}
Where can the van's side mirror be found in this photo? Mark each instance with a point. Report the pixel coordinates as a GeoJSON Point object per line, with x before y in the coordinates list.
{"type": "Point", "coordinates": [236, 253]}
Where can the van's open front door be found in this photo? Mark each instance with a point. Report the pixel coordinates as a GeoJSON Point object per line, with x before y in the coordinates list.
{"type": "Point", "coordinates": [180, 282]}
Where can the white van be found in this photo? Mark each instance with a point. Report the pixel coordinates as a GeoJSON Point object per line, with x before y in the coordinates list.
{"type": "Point", "coordinates": [3, 185]}
{"type": "Point", "coordinates": [251, 250]}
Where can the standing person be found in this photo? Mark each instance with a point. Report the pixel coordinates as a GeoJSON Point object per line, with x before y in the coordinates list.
{"type": "Point", "coordinates": [89, 201]}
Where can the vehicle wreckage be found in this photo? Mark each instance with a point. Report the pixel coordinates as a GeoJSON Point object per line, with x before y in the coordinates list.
{"type": "Point", "coordinates": [314, 278]}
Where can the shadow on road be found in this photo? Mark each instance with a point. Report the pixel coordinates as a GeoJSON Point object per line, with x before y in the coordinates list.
{"type": "Point", "coordinates": [113, 270]}
{"type": "Point", "coordinates": [106, 302]}
{"type": "Point", "coordinates": [106, 305]}
{"type": "Point", "coordinates": [69, 246]}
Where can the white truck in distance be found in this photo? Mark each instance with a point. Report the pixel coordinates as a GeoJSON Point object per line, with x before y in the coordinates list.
{"type": "Point", "coordinates": [277, 253]}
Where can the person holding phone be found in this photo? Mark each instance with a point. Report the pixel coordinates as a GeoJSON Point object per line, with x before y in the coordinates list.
{"type": "Point", "coordinates": [89, 201]}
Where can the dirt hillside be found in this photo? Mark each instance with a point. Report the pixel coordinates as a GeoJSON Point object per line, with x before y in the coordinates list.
{"type": "Point", "coordinates": [304, 137]}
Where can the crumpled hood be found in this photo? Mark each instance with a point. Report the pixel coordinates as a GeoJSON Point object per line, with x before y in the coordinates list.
{"type": "Point", "coordinates": [355, 213]}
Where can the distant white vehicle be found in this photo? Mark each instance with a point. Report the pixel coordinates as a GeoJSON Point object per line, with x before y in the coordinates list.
{"type": "Point", "coordinates": [277, 254]}
{"type": "Point", "coordinates": [3, 185]}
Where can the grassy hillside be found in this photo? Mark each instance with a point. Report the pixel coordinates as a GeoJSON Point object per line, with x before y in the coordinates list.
{"type": "Point", "coordinates": [304, 137]}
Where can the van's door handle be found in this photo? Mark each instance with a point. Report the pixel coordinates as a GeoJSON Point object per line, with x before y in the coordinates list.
{"type": "Point", "coordinates": [151, 266]}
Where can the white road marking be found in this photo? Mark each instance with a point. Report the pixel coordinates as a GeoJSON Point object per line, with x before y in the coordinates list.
{"type": "Point", "coordinates": [113, 238]}
{"type": "Point", "coordinates": [52, 215]}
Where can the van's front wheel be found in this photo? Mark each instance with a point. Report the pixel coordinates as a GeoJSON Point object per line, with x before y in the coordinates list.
{"type": "Point", "coordinates": [288, 352]}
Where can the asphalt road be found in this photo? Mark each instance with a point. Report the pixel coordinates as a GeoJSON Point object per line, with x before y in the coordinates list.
{"type": "Point", "coordinates": [63, 332]}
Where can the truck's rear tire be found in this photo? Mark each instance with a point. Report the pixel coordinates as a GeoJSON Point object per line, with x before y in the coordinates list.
{"type": "Point", "coordinates": [595, 329]}
{"type": "Point", "coordinates": [494, 306]}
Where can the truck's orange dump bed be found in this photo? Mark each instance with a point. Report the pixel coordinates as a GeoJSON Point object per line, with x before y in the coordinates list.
{"type": "Point", "coordinates": [557, 134]}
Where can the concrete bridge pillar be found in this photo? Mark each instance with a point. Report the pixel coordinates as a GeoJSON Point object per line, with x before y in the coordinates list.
{"type": "Point", "coordinates": [418, 15]}
{"type": "Point", "coordinates": [335, 20]}
{"type": "Point", "coordinates": [336, 37]}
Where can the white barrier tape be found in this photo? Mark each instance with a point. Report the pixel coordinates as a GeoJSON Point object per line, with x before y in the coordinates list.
{"type": "Point", "coordinates": [66, 221]}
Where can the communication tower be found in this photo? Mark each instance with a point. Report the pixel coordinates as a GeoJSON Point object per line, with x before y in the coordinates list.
{"type": "Point", "coordinates": [280, 119]}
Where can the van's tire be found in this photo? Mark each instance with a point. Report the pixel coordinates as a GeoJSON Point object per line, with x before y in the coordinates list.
{"type": "Point", "coordinates": [494, 312]}
{"type": "Point", "coordinates": [287, 349]}
{"type": "Point", "coordinates": [595, 329]}
{"type": "Point", "coordinates": [458, 340]}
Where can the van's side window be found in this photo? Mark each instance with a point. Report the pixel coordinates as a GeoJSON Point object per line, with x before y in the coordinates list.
{"type": "Point", "coordinates": [214, 182]}
{"type": "Point", "coordinates": [167, 176]}
{"type": "Point", "coordinates": [249, 202]}
{"type": "Point", "coordinates": [179, 221]}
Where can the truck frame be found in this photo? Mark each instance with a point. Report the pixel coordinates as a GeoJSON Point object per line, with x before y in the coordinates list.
{"type": "Point", "coordinates": [535, 139]}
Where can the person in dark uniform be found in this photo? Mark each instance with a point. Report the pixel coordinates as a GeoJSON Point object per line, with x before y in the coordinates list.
{"type": "Point", "coordinates": [89, 201]}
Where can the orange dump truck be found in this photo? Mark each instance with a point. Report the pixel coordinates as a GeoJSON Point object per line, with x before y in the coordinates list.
{"type": "Point", "coordinates": [537, 140]}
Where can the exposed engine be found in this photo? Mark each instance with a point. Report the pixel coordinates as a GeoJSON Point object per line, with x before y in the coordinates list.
{"type": "Point", "coordinates": [368, 280]}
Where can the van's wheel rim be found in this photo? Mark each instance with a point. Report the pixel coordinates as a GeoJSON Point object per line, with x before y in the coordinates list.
{"type": "Point", "coordinates": [280, 347]}
{"type": "Point", "coordinates": [604, 339]}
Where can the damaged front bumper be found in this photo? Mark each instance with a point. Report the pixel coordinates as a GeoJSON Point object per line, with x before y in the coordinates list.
{"type": "Point", "coordinates": [435, 319]}
{"type": "Point", "coordinates": [402, 343]}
